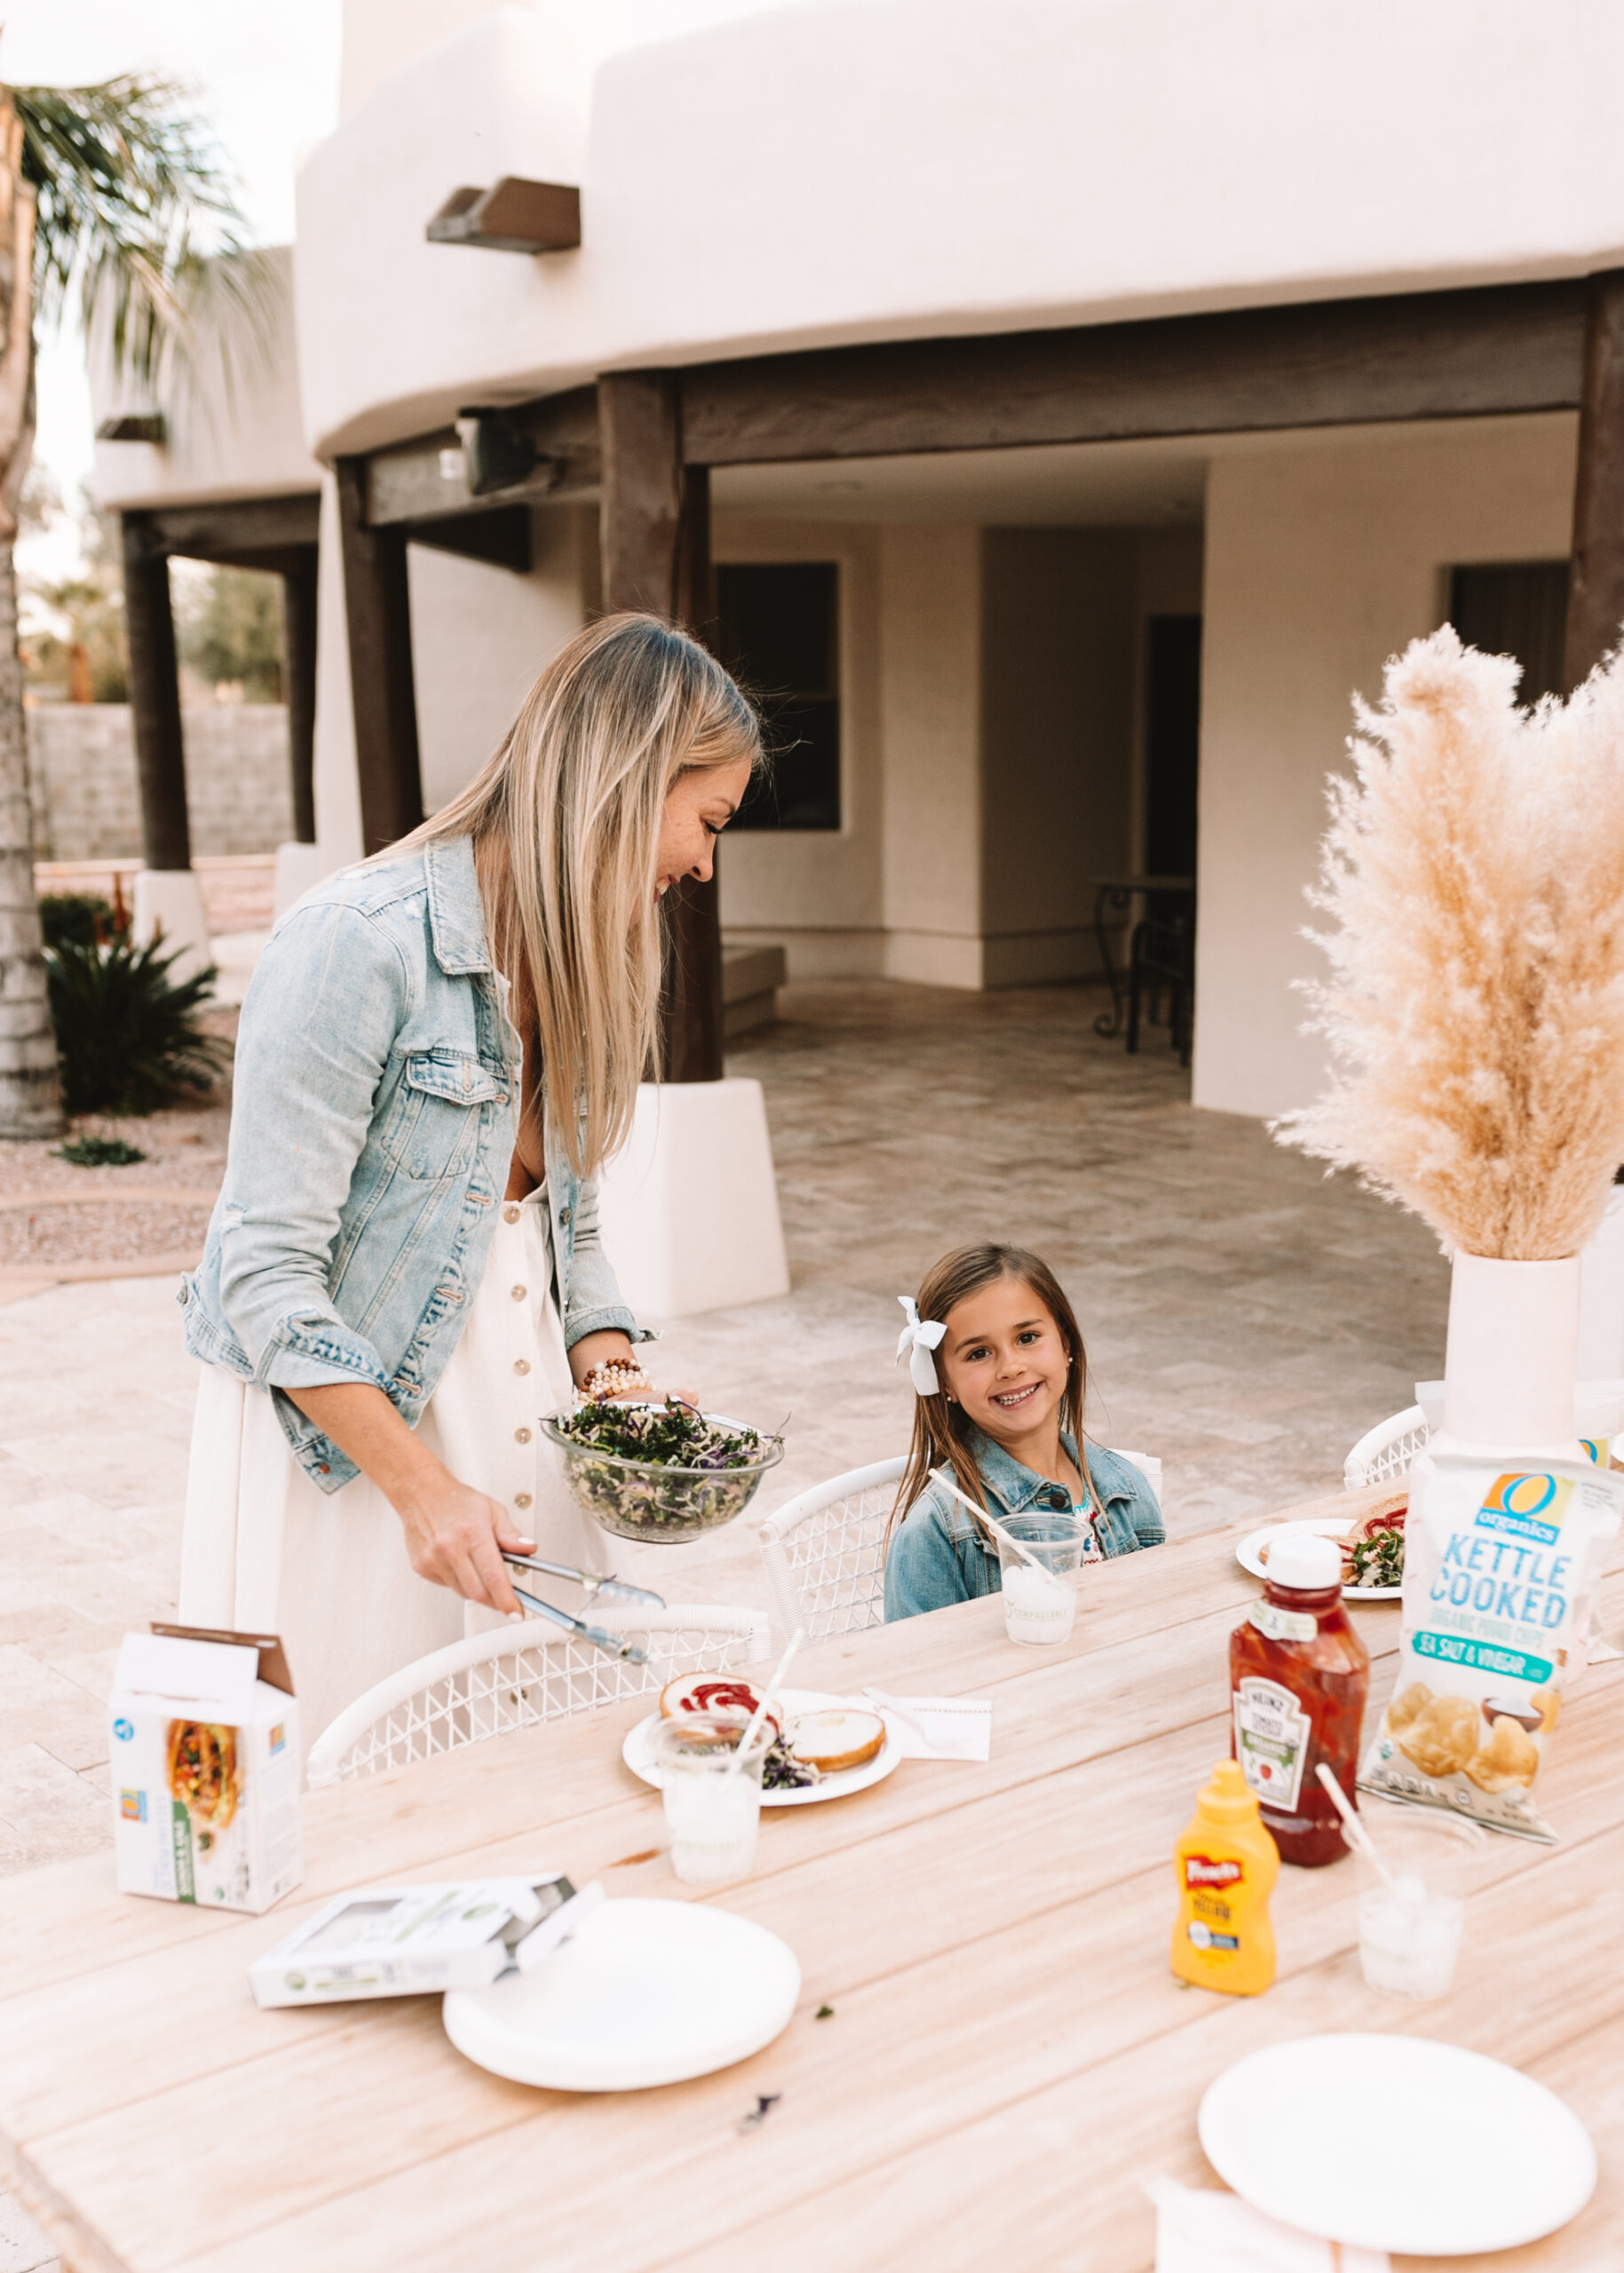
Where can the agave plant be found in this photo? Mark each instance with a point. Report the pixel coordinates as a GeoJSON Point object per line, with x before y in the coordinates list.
{"type": "Point", "coordinates": [129, 1035]}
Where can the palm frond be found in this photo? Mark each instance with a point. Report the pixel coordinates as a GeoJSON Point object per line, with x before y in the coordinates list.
{"type": "Point", "coordinates": [139, 224]}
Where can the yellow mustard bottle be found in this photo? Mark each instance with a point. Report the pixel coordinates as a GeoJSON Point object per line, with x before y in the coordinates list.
{"type": "Point", "coordinates": [1226, 1863]}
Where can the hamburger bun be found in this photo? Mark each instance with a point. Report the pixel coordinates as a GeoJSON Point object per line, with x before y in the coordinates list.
{"type": "Point", "coordinates": [839, 1736]}
{"type": "Point", "coordinates": [708, 1692]}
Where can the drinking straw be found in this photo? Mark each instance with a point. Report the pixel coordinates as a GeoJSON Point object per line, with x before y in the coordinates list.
{"type": "Point", "coordinates": [1353, 1830]}
{"type": "Point", "coordinates": [760, 1713]}
{"type": "Point", "coordinates": [992, 1522]}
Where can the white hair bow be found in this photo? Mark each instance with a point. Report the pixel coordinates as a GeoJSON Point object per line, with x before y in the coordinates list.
{"type": "Point", "coordinates": [915, 1341]}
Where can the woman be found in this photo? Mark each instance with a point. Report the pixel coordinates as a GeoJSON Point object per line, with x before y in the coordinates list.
{"type": "Point", "coordinates": [438, 1051]}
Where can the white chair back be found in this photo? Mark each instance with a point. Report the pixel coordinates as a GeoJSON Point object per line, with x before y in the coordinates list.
{"type": "Point", "coordinates": [488, 1684]}
{"type": "Point", "coordinates": [1386, 1451]}
{"type": "Point", "coordinates": [825, 1552]}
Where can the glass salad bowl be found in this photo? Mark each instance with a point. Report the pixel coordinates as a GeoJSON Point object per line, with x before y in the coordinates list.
{"type": "Point", "coordinates": [659, 1473]}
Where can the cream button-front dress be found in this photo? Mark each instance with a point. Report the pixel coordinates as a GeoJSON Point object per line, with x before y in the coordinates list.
{"type": "Point", "coordinates": [264, 1551]}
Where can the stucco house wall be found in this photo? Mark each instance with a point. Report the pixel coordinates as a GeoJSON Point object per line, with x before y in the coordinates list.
{"type": "Point", "coordinates": [1325, 555]}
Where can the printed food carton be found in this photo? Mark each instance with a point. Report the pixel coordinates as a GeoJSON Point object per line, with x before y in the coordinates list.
{"type": "Point", "coordinates": [204, 1764]}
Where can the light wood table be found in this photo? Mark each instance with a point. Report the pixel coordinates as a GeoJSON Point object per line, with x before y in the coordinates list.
{"type": "Point", "coordinates": [1007, 2059]}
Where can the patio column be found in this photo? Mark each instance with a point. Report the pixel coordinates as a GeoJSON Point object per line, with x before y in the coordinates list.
{"type": "Point", "coordinates": [299, 658]}
{"type": "Point", "coordinates": [655, 535]}
{"type": "Point", "coordinates": [155, 699]}
{"type": "Point", "coordinates": [168, 901]}
{"type": "Point", "coordinates": [378, 619]}
{"type": "Point", "coordinates": [1596, 594]}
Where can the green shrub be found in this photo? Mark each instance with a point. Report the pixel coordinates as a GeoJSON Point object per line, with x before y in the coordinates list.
{"type": "Point", "coordinates": [129, 1036]}
{"type": "Point", "coordinates": [99, 1153]}
{"type": "Point", "coordinates": [79, 916]}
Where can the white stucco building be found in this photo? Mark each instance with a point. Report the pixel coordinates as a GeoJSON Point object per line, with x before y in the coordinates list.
{"type": "Point", "coordinates": [1058, 342]}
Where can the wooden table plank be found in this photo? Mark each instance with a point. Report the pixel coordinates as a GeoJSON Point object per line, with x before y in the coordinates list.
{"type": "Point", "coordinates": [993, 1938]}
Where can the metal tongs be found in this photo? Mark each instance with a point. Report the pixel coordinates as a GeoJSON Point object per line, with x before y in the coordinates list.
{"type": "Point", "coordinates": [595, 1583]}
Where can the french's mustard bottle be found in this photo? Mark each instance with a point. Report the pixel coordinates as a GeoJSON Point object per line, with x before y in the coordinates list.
{"type": "Point", "coordinates": [1226, 1863]}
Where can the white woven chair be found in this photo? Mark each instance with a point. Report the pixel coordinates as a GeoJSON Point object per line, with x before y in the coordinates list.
{"type": "Point", "coordinates": [1386, 1451]}
{"type": "Point", "coordinates": [825, 1550]}
{"type": "Point", "coordinates": [489, 1684]}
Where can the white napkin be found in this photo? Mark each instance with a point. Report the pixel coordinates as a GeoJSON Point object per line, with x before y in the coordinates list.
{"type": "Point", "coordinates": [1203, 2233]}
{"type": "Point", "coordinates": [937, 1728]}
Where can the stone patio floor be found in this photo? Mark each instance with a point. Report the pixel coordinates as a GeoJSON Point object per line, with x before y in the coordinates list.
{"type": "Point", "coordinates": [1245, 1318]}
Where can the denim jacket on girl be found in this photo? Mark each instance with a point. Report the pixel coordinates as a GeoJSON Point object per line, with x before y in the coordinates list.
{"type": "Point", "coordinates": [372, 1126]}
{"type": "Point", "coordinates": [937, 1555]}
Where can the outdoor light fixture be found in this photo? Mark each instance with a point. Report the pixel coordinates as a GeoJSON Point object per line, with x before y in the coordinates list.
{"type": "Point", "coordinates": [496, 455]}
{"type": "Point", "coordinates": [134, 426]}
{"type": "Point", "coordinates": [512, 216]}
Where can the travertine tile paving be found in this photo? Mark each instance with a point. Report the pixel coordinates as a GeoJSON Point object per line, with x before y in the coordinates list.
{"type": "Point", "coordinates": [1245, 1318]}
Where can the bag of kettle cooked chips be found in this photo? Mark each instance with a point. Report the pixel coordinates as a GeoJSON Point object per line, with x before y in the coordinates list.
{"type": "Point", "coordinates": [1501, 1564]}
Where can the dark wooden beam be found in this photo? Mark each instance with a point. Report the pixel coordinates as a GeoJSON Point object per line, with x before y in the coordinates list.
{"type": "Point", "coordinates": [425, 478]}
{"type": "Point", "coordinates": [655, 547]}
{"type": "Point", "coordinates": [1461, 355]}
{"type": "Point", "coordinates": [299, 686]}
{"type": "Point", "coordinates": [1595, 586]}
{"type": "Point", "coordinates": [154, 698]}
{"type": "Point", "coordinates": [383, 698]}
{"type": "Point", "coordinates": [236, 527]}
{"type": "Point", "coordinates": [501, 538]}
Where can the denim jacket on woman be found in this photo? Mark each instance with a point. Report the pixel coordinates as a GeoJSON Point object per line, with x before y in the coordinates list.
{"type": "Point", "coordinates": [372, 1127]}
{"type": "Point", "coordinates": [938, 1555]}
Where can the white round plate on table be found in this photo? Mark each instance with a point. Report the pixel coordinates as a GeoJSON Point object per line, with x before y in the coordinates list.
{"type": "Point", "coordinates": [1453, 2154]}
{"type": "Point", "coordinates": [644, 1994]}
{"type": "Point", "coordinates": [638, 1752]}
{"type": "Point", "coordinates": [1336, 1527]}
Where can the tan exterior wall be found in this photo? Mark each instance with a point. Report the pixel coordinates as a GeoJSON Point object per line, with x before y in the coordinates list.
{"type": "Point", "coordinates": [1323, 559]}
{"type": "Point", "coordinates": [818, 894]}
{"type": "Point", "coordinates": [86, 799]}
{"type": "Point", "coordinates": [930, 704]}
{"type": "Point", "coordinates": [480, 635]}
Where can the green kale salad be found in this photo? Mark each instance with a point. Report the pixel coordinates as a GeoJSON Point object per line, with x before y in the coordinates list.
{"type": "Point", "coordinates": [661, 1472]}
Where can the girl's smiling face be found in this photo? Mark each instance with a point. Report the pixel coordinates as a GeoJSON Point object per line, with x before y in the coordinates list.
{"type": "Point", "coordinates": [1004, 1359]}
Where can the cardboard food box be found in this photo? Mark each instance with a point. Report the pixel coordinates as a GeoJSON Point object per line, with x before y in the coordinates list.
{"type": "Point", "coordinates": [398, 1940]}
{"type": "Point", "coordinates": [204, 1764]}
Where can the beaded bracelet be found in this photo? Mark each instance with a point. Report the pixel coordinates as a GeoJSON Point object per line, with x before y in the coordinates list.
{"type": "Point", "coordinates": [614, 1377]}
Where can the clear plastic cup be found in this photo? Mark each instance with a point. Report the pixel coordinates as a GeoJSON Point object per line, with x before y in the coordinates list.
{"type": "Point", "coordinates": [1039, 1605]}
{"type": "Point", "coordinates": [1410, 1931]}
{"type": "Point", "coordinates": [712, 1813]}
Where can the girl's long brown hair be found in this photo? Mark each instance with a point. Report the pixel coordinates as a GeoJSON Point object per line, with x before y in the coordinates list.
{"type": "Point", "coordinates": [565, 824]}
{"type": "Point", "coordinates": [941, 1433]}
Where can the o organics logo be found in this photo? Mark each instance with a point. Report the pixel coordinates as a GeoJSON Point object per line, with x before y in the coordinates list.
{"type": "Point", "coordinates": [1200, 1870]}
{"type": "Point", "coordinates": [124, 1729]}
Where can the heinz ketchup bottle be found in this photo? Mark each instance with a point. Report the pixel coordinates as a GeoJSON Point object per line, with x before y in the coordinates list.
{"type": "Point", "coordinates": [1298, 1674]}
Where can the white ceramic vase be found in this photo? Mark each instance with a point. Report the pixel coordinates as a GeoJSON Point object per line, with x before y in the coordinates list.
{"type": "Point", "coordinates": [1512, 1357]}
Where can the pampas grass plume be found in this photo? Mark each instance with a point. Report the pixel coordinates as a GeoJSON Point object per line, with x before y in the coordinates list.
{"type": "Point", "coordinates": [1473, 877]}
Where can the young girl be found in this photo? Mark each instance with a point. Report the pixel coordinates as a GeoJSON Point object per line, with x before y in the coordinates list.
{"type": "Point", "coordinates": [999, 1373]}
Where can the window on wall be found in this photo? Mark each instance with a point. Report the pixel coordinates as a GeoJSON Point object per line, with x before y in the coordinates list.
{"type": "Point", "coordinates": [1516, 607]}
{"type": "Point", "coordinates": [779, 632]}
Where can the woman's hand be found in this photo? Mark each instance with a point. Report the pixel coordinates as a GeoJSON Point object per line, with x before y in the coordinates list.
{"type": "Point", "coordinates": [455, 1537]}
{"type": "Point", "coordinates": [612, 1347]}
{"type": "Point", "coordinates": [453, 1534]}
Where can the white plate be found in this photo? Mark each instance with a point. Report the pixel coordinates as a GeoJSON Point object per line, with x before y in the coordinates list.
{"type": "Point", "coordinates": [1336, 1527]}
{"type": "Point", "coordinates": [1396, 2142]}
{"type": "Point", "coordinates": [646, 1993]}
{"type": "Point", "coordinates": [638, 1752]}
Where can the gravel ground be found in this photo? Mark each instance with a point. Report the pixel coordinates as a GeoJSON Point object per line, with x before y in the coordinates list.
{"type": "Point", "coordinates": [185, 1145]}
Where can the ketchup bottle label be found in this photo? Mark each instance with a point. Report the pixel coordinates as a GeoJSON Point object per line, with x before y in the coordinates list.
{"type": "Point", "coordinates": [1272, 1740]}
{"type": "Point", "coordinates": [1285, 1625]}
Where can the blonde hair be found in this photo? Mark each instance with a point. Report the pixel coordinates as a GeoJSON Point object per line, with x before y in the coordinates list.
{"type": "Point", "coordinates": [566, 821]}
{"type": "Point", "coordinates": [941, 1431]}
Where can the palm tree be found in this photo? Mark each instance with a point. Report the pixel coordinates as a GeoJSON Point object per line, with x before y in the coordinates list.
{"type": "Point", "coordinates": [114, 211]}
